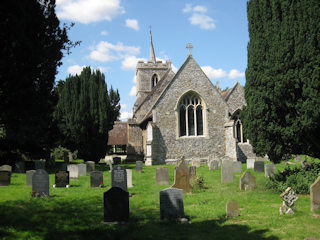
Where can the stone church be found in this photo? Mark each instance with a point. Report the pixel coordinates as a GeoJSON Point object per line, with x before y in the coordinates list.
{"type": "Point", "coordinates": [182, 114]}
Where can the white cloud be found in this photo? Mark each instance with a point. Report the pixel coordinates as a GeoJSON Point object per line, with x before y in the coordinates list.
{"type": "Point", "coordinates": [104, 33]}
{"type": "Point", "coordinates": [125, 115]}
{"type": "Point", "coordinates": [130, 62]}
{"type": "Point", "coordinates": [87, 11]}
{"type": "Point", "coordinates": [199, 8]}
{"type": "Point", "coordinates": [204, 21]}
{"type": "Point", "coordinates": [105, 51]}
{"type": "Point", "coordinates": [174, 68]}
{"type": "Point", "coordinates": [123, 106]}
{"type": "Point", "coordinates": [133, 91]}
{"type": "Point", "coordinates": [134, 79]}
{"type": "Point", "coordinates": [214, 73]}
{"type": "Point", "coordinates": [132, 23]}
{"type": "Point", "coordinates": [234, 73]}
{"type": "Point", "coordinates": [75, 69]}
{"type": "Point", "coordinates": [187, 8]}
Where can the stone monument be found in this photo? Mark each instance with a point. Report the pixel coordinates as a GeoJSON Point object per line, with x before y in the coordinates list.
{"type": "Point", "coordinates": [162, 176]}
{"type": "Point", "coordinates": [171, 204]}
{"type": "Point", "coordinates": [116, 205]}
{"type": "Point", "coordinates": [40, 183]}
{"type": "Point", "coordinates": [247, 181]}
{"type": "Point", "coordinates": [289, 197]}
{"type": "Point", "coordinates": [315, 195]}
{"type": "Point", "coordinates": [181, 176]}
{"type": "Point", "coordinates": [119, 177]}
{"type": "Point", "coordinates": [226, 171]}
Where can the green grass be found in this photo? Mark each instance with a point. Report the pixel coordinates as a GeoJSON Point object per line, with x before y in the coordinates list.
{"type": "Point", "coordinates": [77, 212]}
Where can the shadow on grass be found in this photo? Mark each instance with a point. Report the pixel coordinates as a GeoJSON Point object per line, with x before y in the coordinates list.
{"type": "Point", "coordinates": [57, 218]}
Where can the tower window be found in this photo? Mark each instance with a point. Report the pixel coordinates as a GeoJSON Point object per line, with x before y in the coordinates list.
{"type": "Point", "coordinates": [154, 80]}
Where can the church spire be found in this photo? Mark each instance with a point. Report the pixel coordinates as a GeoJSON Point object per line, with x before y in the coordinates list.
{"type": "Point", "coordinates": [152, 56]}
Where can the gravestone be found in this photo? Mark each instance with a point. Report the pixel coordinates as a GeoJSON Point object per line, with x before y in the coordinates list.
{"type": "Point", "coordinates": [237, 166]}
{"type": "Point", "coordinates": [129, 178]}
{"type": "Point", "coordinates": [29, 175]}
{"type": "Point", "coordinates": [116, 160]}
{"type": "Point", "coordinates": [38, 164]}
{"type": "Point", "coordinates": [20, 167]}
{"type": "Point", "coordinates": [192, 172]}
{"type": "Point", "coordinates": [82, 168]}
{"type": "Point", "coordinates": [139, 166]}
{"type": "Point", "coordinates": [196, 163]}
{"type": "Point", "coordinates": [6, 168]}
{"type": "Point", "coordinates": [315, 195]}
{"type": "Point", "coordinates": [70, 157]}
{"type": "Point", "coordinates": [232, 209]}
{"type": "Point", "coordinates": [65, 157]}
{"type": "Point", "coordinates": [119, 177]}
{"type": "Point", "coordinates": [181, 176]}
{"type": "Point", "coordinates": [5, 178]}
{"type": "Point", "coordinates": [171, 204]}
{"type": "Point", "coordinates": [40, 183]}
{"type": "Point", "coordinates": [162, 176]}
{"type": "Point", "coordinates": [62, 179]}
{"type": "Point", "coordinates": [269, 170]}
{"type": "Point", "coordinates": [90, 166]}
{"type": "Point", "coordinates": [247, 181]}
{"type": "Point", "coordinates": [213, 165]}
{"type": "Point", "coordinates": [116, 205]}
{"type": "Point", "coordinates": [289, 197]}
{"type": "Point", "coordinates": [96, 179]}
{"type": "Point", "coordinates": [258, 166]}
{"type": "Point", "coordinates": [73, 171]}
{"type": "Point", "coordinates": [226, 172]}
{"type": "Point", "coordinates": [250, 163]}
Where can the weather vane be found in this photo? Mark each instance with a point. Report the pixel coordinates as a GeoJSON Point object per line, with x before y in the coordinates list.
{"type": "Point", "coordinates": [189, 47]}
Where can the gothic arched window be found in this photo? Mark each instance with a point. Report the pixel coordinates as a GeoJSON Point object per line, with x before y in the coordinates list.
{"type": "Point", "coordinates": [238, 131]}
{"type": "Point", "coordinates": [191, 116]}
{"type": "Point", "coordinates": [154, 80]}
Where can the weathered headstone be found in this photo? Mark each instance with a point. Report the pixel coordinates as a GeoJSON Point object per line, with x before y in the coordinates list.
{"type": "Point", "coordinates": [20, 167]}
{"type": "Point", "coordinates": [65, 157]}
{"type": "Point", "coordinates": [237, 166]}
{"type": "Point", "coordinates": [96, 179]}
{"type": "Point", "coordinates": [116, 160]}
{"type": "Point", "coordinates": [196, 163]}
{"type": "Point", "coordinates": [73, 171]}
{"type": "Point", "coordinates": [269, 170]}
{"type": "Point", "coordinates": [62, 179]}
{"type": "Point", "coordinates": [129, 178]}
{"type": "Point", "coordinates": [119, 177]}
{"type": "Point", "coordinates": [139, 166]}
{"type": "Point", "coordinates": [29, 175]}
{"type": "Point", "coordinates": [258, 166]}
{"type": "Point", "coordinates": [232, 209]}
{"type": "Point", "coordinates": [247, 181]}
{"type": "Point", "coordinates": [90, 166]}
{"type": "Point", "coordinates": [116, 205]}
{"type": "Point", "coordinates": [315, 195]}
{"type": "Point", "coordinates": [162, 176]}
{"type": "Point", "coordinates": [82, 169]}
{"type": "Point", "coordinates": [289, 197]}
{"type": "Point", "coordinates": [70, 157]}
{"type": "Point", "coordinates": [214, 165]}
{"type": "Point", "coordinates": [227, 172]}
{"type": "Point", "coordinates": [5, 178]}
{"type": "Point", "coordinates": [38, 164]}
{"type": "Point", "coordinates": [6, 168]}
{"type": "Point", "coordinates": [192, 172]}
{"type": "Point", "coordinates": [181, 176]}
{"type": "Point", "coordinates": [250, 163]}
{"type": "Point", "coordinates": [171, 204]}
{"type": "Point", "coordinates": [40, 183]}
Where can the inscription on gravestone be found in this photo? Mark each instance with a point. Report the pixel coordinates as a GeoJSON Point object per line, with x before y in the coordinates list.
{"type": "Point", "coordinates": [116, 205]}
{"type": "Point", "coordinates": [40, 183]}
{"type": "Point", "coordinates": [62, 179]}
{"type": "Point", "coordinates": [6, 168]}
{"type": "Point", "coordinates": [214, 165]}
{"type": "Point", "coordinates": [250, 163]}
{"type": "Point", "coordinates": [162, 176]}
{"type": "Point", "coordinates": [82, 168]}
{"type": "Point", "coordinates": [171, 204]}
{"type": "Point", "coordinates": [29, 175]}
{"type": "Point", "coordinates": [259, 166]}
{"type": "Point", "coordinates": [73, 171]}
{"type": "Point", "coordinates": [96, 179]}
{"type": "Point", "coordinates": [5, 178]}
{"type": "Point", "coordinates": [119, 177]}
{"type": "Point", "coordinates": [237, 166]}
{"type": "Point", "coordinates": [226, 171]}
{"type": "Point", "coordinates": [181, 176]}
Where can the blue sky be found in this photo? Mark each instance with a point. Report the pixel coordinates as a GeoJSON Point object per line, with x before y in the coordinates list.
{"type": "Point", "coordinates": [115, 35]}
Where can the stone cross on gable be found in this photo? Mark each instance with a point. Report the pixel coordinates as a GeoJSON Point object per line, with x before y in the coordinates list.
{"type": "Point", "coordinates": [189, 47]}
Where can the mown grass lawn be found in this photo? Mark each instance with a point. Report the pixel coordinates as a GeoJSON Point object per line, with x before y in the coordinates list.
{"type": "Point", "coordinates": [77, 212]}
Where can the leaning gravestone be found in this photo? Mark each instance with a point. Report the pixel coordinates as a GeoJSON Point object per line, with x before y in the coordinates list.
{"type": "Point", "coordinates": [20, 167]}
{"type": "Point", "coordinates": [247, 181]}
{"type": "Point", "coordinates": [73, 171]}
{"type": "Point", "coordinates": [232, 209]}
{"type": "Point", "coordinates": [116, 160]}
{"type": "Point", "coordinates": [82, 169]}
{"type": "Point", "coordinates": [171, 204]}
{"type": "Point", "coordinates": [181, 176]}
{"type": "Point", "coordinates": [6, 168]}
{"type": "Point", "coordinates": [237, 166]}
{"type": "Point", "coordinates": [250, 163]}
{"type": "Point", "coordinates": [289, 197]}
{"type": "Point", "coordinates": [162, 176]}
{"type": "Point", "coordinates": [196, 163]}
{"type": "Point", "coordinates": [116, 205]}
{"type": "Point", "coordinates": [192, 172]}
{"type": "Point", "coordinates": [258, 166]}
{"type": "Point", "coordinates": [5, 178]}
{"type": "Point", "coordinates": [315, 195]}
{"type": "Point", "coordinates": [29, 175]}
{"type": "Point", "coordinates": [38, 164]}
{"type": "Point", "coordinates": [139, 166]}
{"type": "Point", "coordinates": [226, 171]}
{"type": "Point", "coordinates": [129, 178]}
{"type": "Point", "coordinates": [119, 177]}
{"type": "Point", "coordinates": [96, 179]}
{"type": "Point", "coordinates": [62, 179]}
{"type": "Point", "coordinates": [40, 183]}
{"type": "Point", "coordinates": [214, 165]}
{"type": "Point", "coordinates": [90, 166]}
{"type": "Point", "coordinates": [269, 170]}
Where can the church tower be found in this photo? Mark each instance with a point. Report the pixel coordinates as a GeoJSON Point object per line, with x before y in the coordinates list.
{"type": "Point", "coordinates": [148, 75]}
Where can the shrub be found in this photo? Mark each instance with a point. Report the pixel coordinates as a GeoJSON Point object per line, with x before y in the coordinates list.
{"type": "Point", "coordinates": [57, 153]}
{"type": "Point", "coordinates": [197, 182]}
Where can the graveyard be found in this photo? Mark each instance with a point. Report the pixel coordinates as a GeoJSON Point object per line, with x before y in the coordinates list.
{"type": "Point", "coordinates": [77, 211]}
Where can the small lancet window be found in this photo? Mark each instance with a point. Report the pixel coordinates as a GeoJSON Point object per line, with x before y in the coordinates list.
{"type": "Point", "coordinates": [154, 80]}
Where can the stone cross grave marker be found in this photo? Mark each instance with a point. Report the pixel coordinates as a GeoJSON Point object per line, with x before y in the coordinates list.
{"type": "Point", "coordinates": [129, 178]}
{"type": "Point", "coordinates": [289, 197]}
{"type": "Point", "coordinates": [250, 163]}
{"type": "Point", "coordinates": [6, 168]}
{"type": "Point", "coordinates": [181, 176]}
{"type": "Point", "coordinates": [40, 183]}
{"type": "Point", "coordinates": [315, 195]}
{"type": "Point", "coordinates": [269, 170]}
{"type": "Point", "coordinates": [90, 166]}
{"type": "Point", "coordinates": [139, 166]}
{"type": "Point", "coordinates": [38, 164]}
{"type": "Point", "coordinates": [192, 172]}
{"type": "Point", "coordinates": [171, 204]}
{"type": "Point", "coordinates": [162, 175]}
{"type": "Point", "coordinates": [213, 165]}
{"type": "Point", "coordinates": [258, 166]}
{"type": "Point", "coordinates": [73, 171]}
{"type": "Point", "coordinates": [116, 205]}
{"type": "Point", "coordinates": [196, 163]}
{"type": "Point", "coordinates": [29, 175]}
{"type": "Point", "coordinates": [237, 166]}
{"type": "Point", "coordinates": [20, 167]}
{"type": "Point", "coordinates": [119, 177]}
{"type": "Point", "coordinates": [247, 181]}
{"type": "Point", "coordinates": [96, 178]}
{"type": "Point", "coordinates": [232, 209]}
{"type": "Point", "coordinates": [62, 179]}
{"type": "Point", "coordinates": [227, 172]}
{"type": "Point", "coordinates": [5, 178]}
{"type": "Point", "coordinates": [82, 169]}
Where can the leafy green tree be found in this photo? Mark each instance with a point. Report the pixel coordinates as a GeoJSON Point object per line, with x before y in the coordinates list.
{"type": "Point", "coordinates": [32, 42]}
{"type": "Point", "coordinates": [85, 113]}
{"type": "Point", "coordinates": [282, 90]}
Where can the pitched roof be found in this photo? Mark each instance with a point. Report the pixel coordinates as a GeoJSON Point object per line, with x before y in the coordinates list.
{"type": "Point", "coordinates": [119, 134]}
